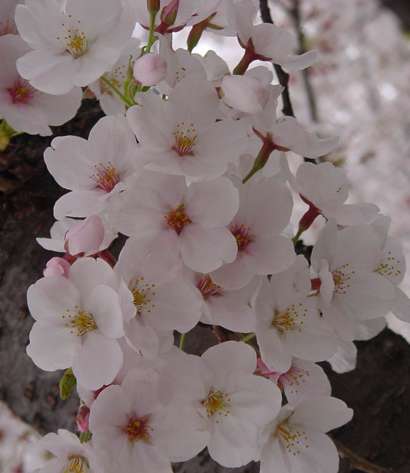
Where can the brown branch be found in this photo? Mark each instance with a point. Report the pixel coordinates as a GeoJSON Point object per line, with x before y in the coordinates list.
{"type": "Point", "coordinates": [283, 76]}
{"type": "Point", "coordinates": [357, 462]}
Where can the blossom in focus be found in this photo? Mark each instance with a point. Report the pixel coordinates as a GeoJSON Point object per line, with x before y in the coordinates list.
{"type": "Point", "coordinates": [131, 418]}
{"type": "Point", "coordinates": [190, 222]}
{"type": "Point", "coordinates": [297, 440]}
{"type": "Point", "coordinates": [73, 43]}
{"type": "Point", "coordinates": [163, 301]}
{"type": "Point", "coordinates": [264, 211]}
{"type": "Point", "coordinates": [222, 403]}
{"type": "Point", "coordinates": [24, 108]}
{"type": "Point", "coordinates": [78, 320]}
{"type": "Point", "coordinates": [288, 323]}
{"type": "Point", "coordinates": [186, 140]}
{"type": "Point", "coordinates": [350, 290]}
{"type": "Point", "coordinates": [94, 170]}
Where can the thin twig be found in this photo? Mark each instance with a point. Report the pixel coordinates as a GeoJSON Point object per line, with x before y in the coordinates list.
{"type": "Point", "coordinates": [283, 77]}
{"type": "Point", "coordinates": [295, 14]}
{"type": "Point", "coordinates": [357, 462]}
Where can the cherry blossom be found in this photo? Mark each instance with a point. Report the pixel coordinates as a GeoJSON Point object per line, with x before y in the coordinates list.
{"type": "Point", "coordinates": [63, 452]}
{"type": "Point", "coordinates": [262, 250]}
{"type": "Point", "coordinates": [266, 41]}
{"type": "Point", "coordinates": [222, 401]}
{"type": "Point", "coordinates": [186, 140]}
{"type": "Point", "coordinates": [95, 170]}
{"type": "Point", "coordinates": [325, 188]}
{"type": "Point", "coordinates": [288, 323]}
{"type": "Point", "coordinates": [296, 440]}
{"type": "Point", "coordinates": [130, 420]}
{"type": "Point", "coordinates": [230, 309]}
{"type": "Point", "coordinates": [78, 320]}
{"type": "Point", "coordinates": [72, 45]}
{"type": "Point", "coordinates": [303, 380]}
{"type": "Point", "coordinates": [350, 288]}
{"type": "Point", "coordinates": [163, 301]}
{"type": "Point", "coordinates": [190, 221]}
{"type": "Point", "coordinates": [25, 108]}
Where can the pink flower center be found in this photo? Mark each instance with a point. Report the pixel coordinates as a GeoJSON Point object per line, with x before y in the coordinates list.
{"type": "Point", "coordinates": [185, 139]}
{"type": "Point", "coordinates": [21, 92]}
{"type": "Point", "coordinates": [138, 429]}
{"type": "Point", "coordinates": [242, 235]}
{"type": "Point", "coordinates": [106, 177]}
{"type": "Point", "coordinates": [208, 288]}
{"type": "Point", "coordinates": [177, 219]}
{"type": "Point", "coordinates": [7, 27]}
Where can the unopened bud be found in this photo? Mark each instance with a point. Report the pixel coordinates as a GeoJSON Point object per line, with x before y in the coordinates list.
{"type": "Point", "coordinates": [150, 69]}
{"type": "Point", "coordinates": [153, 6]}
{"type": "Point", "coordinates": [56, 267]}
{"type": "Point", "coordinates": [85, 237]}
{"type": "Point", "coordinates": [170, 12]}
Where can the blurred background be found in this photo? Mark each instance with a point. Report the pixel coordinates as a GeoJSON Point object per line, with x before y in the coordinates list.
{"type": "Point", "coordinates": [360, 90]}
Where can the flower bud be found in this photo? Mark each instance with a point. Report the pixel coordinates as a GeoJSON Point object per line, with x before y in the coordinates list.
{"type": "Point", "coordinates": [153, 6]}
{"type": "Point", "coordinates": [85, 237]}
{"type": "Point", "coordinates": [82, 418]}
{"type": "Point", "coordinates": [244, 93]}
{"type": "Point", "coordinates": [56, 267]}
{"type": "Point", "coordinates": [150, 69]}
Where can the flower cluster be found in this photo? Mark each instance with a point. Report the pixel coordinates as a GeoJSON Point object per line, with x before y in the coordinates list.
{"type": "Point", "coordinates": [192, 165]}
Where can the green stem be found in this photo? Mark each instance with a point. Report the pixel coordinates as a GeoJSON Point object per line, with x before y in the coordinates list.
{"type": "Point", "coordinates": [151, 37]}
{"type": "Point", "coordinates": [248, 338]}
{"type": "Point", "coordinates": [181, 341]}
{"type": "Point", "coordinates": [298, 235]}
{"type": "Point", "coordinates": [128, 102]}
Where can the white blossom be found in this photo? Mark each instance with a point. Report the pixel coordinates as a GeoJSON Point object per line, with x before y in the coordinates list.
{"type": "Point", "coordinates": [25, 108]}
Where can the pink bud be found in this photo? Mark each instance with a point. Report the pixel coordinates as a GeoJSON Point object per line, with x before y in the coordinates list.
{"type": "Point", "coordinates": [85, 237]}
{"type": "Point", "coordinates": [56, 267]}
{"type": "Point", "coordinates": [83, 415]}
{"type": "Point", "coordinates": [150, 69]}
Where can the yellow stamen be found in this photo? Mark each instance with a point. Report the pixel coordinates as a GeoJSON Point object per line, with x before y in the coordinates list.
{"type": "Point", "coordinates": [82, 323]}
{"type": "Point", "coordinates": [77, 44]}
{"type": "Point", "coordinates": [76, 464]}
{"type": "Point", "coordinates": [217, 402]}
